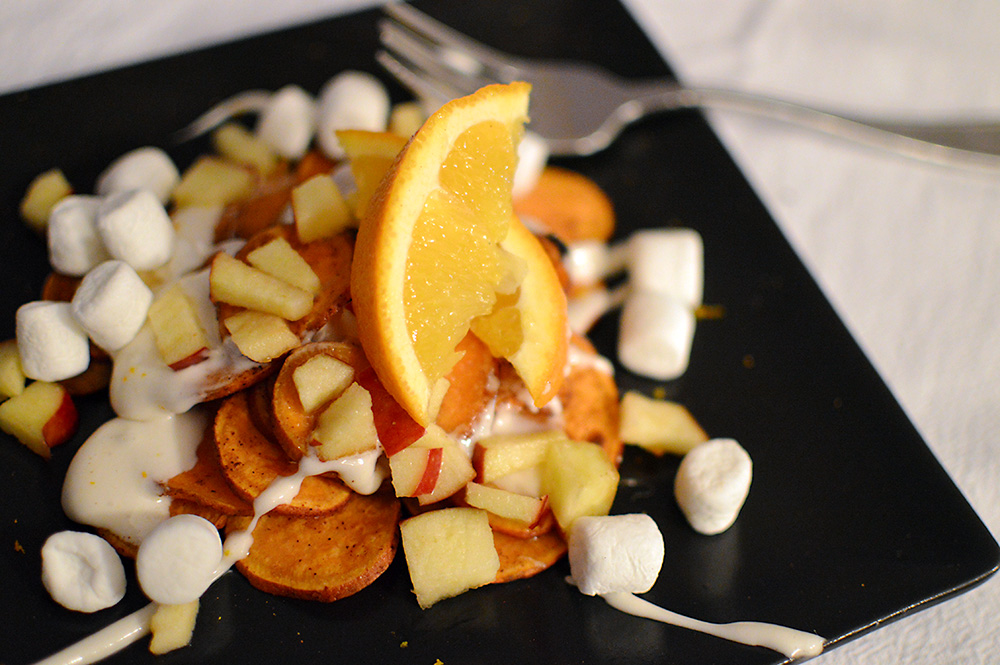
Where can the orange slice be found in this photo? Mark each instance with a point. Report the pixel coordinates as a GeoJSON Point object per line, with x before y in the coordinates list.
{"type": "Point", "coordinates": [437, 249]}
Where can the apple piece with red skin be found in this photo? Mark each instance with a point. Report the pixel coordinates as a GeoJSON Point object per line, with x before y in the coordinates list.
{"type": "Point", "coordinates": [432, 468]}
{"type": "Point", "coordinates": [525, 510]}
{"type": "Point", "coordinates": [415, 470]}
{"type": "Point", "coordinates": [179, 337]}
{"type": "Point", "coordinates": [396, 429]}
{"type": "Point", "coordinates": [42, 417]}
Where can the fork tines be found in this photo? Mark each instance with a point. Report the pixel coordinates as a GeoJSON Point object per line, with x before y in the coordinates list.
{"type": "Point", "coordinates": [434, 61]}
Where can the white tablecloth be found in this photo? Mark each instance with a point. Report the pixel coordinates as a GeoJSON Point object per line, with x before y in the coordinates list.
{"type": "Point", "coordinates": [908, 254]}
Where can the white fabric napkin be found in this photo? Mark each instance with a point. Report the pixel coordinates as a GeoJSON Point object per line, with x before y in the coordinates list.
{"type": "Point", "coordinates": [909, 254]}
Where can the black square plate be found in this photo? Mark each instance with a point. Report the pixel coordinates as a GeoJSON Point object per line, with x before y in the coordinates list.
{"type": "Point", "coordinates": [850, 523]}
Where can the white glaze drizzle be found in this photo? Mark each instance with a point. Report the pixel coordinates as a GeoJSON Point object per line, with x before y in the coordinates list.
{"type": "Point", "coordinates": [788, 641]}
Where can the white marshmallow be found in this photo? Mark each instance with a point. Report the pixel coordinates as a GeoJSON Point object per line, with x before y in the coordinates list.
{"type": "Point", "coordinates": [588, 262]}
{"type": "Point", "coordinates": [532, 156]}
{"type": "Point", "coordinates": [136, 229]}
{"type": "Point", "coordinates": [81, 571]}
{"type": "Point", "coordinates": [712, 483]}
{"type": "Point", "coordinates": [288, 122]}
{"type": "Point", "coordinates": [74, 244]}
{"type": "Point", "coordinates": [350, 100]}
{"type": "Point", "coordinates": [668, 261]}
{"type": "Point", "coordinates": [615, 554]}
{"type": "Point", "coordinates": [177, 560]}
{"type": "Point", "coordinates": [143, 168]}
{"type": "Point", "coordinates": [51, 343]}
{"type": "Point", "coordinates": [111, 304]}
{"type": "Point", "coordinates": [655, 335]}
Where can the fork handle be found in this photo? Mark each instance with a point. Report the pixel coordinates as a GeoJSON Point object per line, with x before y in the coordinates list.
{"type": "Point", "coordinates": [969, 145]}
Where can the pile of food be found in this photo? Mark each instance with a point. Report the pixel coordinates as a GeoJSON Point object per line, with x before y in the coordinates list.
{"type": "Point", "coordinates": [345, 330]}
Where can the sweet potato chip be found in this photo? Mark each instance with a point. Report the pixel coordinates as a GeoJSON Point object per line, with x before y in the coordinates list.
{"type": "Point", "coordinates": [469, 389]}
{"type": "Point", "coordinates": [590, 405]}
{"type": "Point", "coordinates": [323, 558]}
{"type": "Point", "coordinates": [228, 381]}
{"type": "Point", "coordinates": [250, 462]}
{"type": "Point", "coordinates": [570, 205]}
{"type": "Point", "coordinates": [184, 507]}
{"type": "Point", "coordinates": [205, 485]}
{"type": "Point", "coordinates": [293, 427]}
{"type": "Point", "coordinates": [521, 558]}
{"type": "Point", "coordinates": [250, 216]}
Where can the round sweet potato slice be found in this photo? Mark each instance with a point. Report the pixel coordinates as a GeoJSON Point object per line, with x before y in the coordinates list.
{"type": "Point", "coordinates": [205, 485]}
{"type": "Point", "coordinates": [570, 205]}
{"type": "Point", "coordinates": [326, 557]}
{"type": "Point", "coordinates": [469, 390]}
{"type": "Point", "coordinates": [293, 427]}
{"type": "Point", "coordinates": [521, 558]}
{"type": "Point", "coordinates": [590, 405]}
{"type": "Point", "coordinates": [250, 462]}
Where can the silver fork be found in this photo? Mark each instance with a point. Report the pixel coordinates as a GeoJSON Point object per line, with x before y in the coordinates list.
{"type": "Point", "coordinates": [438, 63]}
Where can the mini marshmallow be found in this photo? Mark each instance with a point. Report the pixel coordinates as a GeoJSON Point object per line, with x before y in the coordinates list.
{"type": "Point", "coordinates": [655, 335]}
{"type": "Point", "coordinates": [82, 572]}
{"type": "Point", "coordinates": [111, 304]}
{"type": "Point", "coordinates": [177, 560]}
{"type": "Point", "coordinates": [532, 156]}
{"type": "Point", "coordinates": [588, 262]}
{"type": "Point", "coordinates": [350, 100]}
{"type": "Point", "coordinates": [288, 122]}
{"type": "Point", "coordinates": [615, 554]}
{"type": "Point", "coordinates": [51, 343]}
{"type": "Point", "coordinates": [74, 244]}
{"type": "Point", "coordinates": [136, 229]}
{"type": "Point", "coordinates": [143, 168]}
{"type": "Point", "coordinates": [668, 261]}
{"type": "Point", "coordinates": [712, 483]}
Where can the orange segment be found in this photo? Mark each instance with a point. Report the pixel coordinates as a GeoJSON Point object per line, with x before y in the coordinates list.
{"type": "Point", "coordinates": [437, 249]}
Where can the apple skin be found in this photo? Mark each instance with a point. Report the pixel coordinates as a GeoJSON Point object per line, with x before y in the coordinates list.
{"type": "Point", "coordinates": [42, 417]}
{"type": "Point", "coordinates": [193, 359]}
{"type": "Point", "coordinates": [396, 429]}
{"type": "Point", "coordinates": [415, 471]}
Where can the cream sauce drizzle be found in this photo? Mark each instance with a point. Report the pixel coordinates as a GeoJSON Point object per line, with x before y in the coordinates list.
{"type": "Point", "coordinates": [788, 641]}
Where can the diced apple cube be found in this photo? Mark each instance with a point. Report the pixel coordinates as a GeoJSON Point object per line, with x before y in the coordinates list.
{"type": "Point", "coordinates": [240, 145]}
{"type": "Point", "coordinates": [657, 425]}
{"type": "Point", "coordinates": [11, 375]}
{"type": "Point", "coordinates": [178, 333]}
{"type": "Point", "coordinates": [172, 627]}
{"type": "Point", "coordinates": [347, 426]}
{"type": "Point", "coordinates": [43, 193]}
{"type": "Point", "coordinates": [259, 336]}
{"type": "Point", "coordinates": [525, 481]}
{"type": "Point", "coordinates": [234, 282]}
{"type": "Point", "coordinates": [526, 510]}
{"type": "Point", "coordinates": [501, 454]}
{"type": "Point", "coordinates": [279, 259]}
{"type": "Point", "coordinates": [448, 552]}
{"type": "Point", "coordinates": [320, 209]}
{"type": "Point", "coordinates": [579, 479]}
{"type": "Point", "coordinates": [415, 470]}
{"type": "Point", "coordinates": [371, 154]}
{"type": "Point", "coordinates": [406, 118]}
{"type": "Point", "coordinates": [320, 379]}
{"type": "Point", "coordinates": [41, 417]}
{"type": "Point", "coordinates": [213, 182]}
{"type": "Point", "coordinates": [456, 467]}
